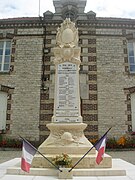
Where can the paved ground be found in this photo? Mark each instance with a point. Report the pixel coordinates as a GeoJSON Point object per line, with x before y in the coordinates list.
{"type": "Point", "coordinates": [15, 174]}
{"type": "Point", "coordinates": [128, 156]}
{"type": "Point", "coordinates": [8, 155]}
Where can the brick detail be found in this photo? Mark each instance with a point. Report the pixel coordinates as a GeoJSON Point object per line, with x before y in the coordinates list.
{"type": "Point", "coordinates": [92, 58]}
{"type": "Point", "coordinates": [90, 117]}
{"type": "Point", "coordinates": [47, 67]}
{"type": "Point", "coordinates": [93, 87]}
{"type": "Point", "coordinates": [129, 128]}
{"type": "Point", "coordinates": [43, 128]}
{"type": "Point", "coordinates": [48, 41]}
{"type": "Point", "coordinates": [129, 118]}
{"type": "Point", "coordinates": [131, 90]}
{"type": "Point", "coordinates": [92, 128]}
{"type": "Point", "coordinates": [92, 50]}
{"type": "Point", "coordinates": [47, 106]}
{"type": "Point", "coordinates": [45, 77]}
{"type": "Point", "coordinates": [91, 41]}
{"type": "Point", "coordinates": [126, 68]}
{"type": "Point", "coordinates": [11, 68]}
{"type": "Point", "coordinates": [126, 59]}
{"type": "Point", "coordinates": [46, 58]}
{"type": "Point", "coordinates": [12, 58]}
{"type": "Point", "coordinates": [8, 117]}
{"type": "Point", "coordinates": [44, 96]}
{"type": "Point", "coordinates": [7, 128]}
{"type": "Point", "coordinates": [92, 77]}
{"type": "Point", "coordinates": [13, 50]}
{"type": "Point", "coordinates": [128, 92]}
{"type": "Point", "coordinates": [125, 50]}
{"type": "Point", "coordinates": [92, 68]}
{"type": "Point", "coordinates": [4, 88]}
{"type": "Point", "coordinates": [81, 67]}
{"type": "Point", "coordinates": [45, 117]}
{"type": "Point", "coordinates": [128, 107]}
{"type": "Point", "coordinates": [9, 97]}
{"type": "Point", "coordinates": [92, 96]}
{"type": "Point", "coordinates": [89, 106]}
{"type": "Point", "coordinates": [8, 106]}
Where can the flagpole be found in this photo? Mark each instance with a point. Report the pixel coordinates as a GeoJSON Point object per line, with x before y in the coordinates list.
{"type": "Point", "coordinates": [41, 154]}
{"type": "Point", "coordinates": [39, 9]}
{"type": "Point", "coordinates": [88, 151]}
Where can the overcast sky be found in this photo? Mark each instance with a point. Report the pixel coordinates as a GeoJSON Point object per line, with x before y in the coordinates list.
{"type": "Point", "coordinates": [102, 8]}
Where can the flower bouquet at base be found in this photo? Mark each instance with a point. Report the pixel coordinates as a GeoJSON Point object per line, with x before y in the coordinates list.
{"type": "Point", "coordinates": [63, 160]}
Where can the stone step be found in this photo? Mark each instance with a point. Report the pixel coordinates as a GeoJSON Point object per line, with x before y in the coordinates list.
{"type": "Point", "coordinates": [76, 172]}
{"type": "Point", "coordinates": [88, 162]}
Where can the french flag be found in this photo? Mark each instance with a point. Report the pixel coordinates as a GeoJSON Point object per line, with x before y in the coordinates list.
{"type": "Point", "coordinates": [28, 152]}
{"type": "Point", "coordinates": [100, 147]}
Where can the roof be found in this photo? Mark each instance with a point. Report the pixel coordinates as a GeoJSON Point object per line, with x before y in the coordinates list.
{"type": "Point", "coordinates": [33, 20]}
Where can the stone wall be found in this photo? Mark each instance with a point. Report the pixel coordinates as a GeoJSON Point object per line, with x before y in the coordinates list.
{"type": "Point", "coordinates": [105, 81]}
{"type": "Point", "coordinates": [26, 82]}
{"type": "Point", "coordinates": [112, 80]}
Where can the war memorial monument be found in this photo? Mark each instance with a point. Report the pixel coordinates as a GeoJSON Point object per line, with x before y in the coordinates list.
{"type": "Point", "coordinates": [67, 127]}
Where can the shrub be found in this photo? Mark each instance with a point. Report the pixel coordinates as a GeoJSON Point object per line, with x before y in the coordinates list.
{"type": "Point", "coordinates": [123, 142]}
{"type": "Point", "coordinates": [10, 143]}
{"type": "Point", "coordinates": [111, 143]}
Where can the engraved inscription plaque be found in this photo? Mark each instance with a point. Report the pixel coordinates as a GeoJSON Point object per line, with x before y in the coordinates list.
{"type": "Point", "coordinates": [67, 95]}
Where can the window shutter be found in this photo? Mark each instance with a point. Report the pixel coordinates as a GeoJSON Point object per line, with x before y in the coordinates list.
{"type": "Point", "coordinates": [3, 110]}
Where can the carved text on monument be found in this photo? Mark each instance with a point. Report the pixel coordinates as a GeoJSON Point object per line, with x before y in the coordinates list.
{"type": "Point", "coordinates": [67, 103]}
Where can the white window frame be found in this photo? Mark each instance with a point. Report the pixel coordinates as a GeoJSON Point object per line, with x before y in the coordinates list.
{"type": "Point", "coordinates": [133, 111]}
{"type": "Point", "coordinates": [4, 55]}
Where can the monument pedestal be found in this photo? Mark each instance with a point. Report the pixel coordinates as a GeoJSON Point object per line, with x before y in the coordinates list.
{"type": "Point", "coordinates": [65, 138]}
{"type": "Point", "coordinates": [69, 138]}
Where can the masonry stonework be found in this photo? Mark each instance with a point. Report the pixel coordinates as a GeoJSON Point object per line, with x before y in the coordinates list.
{"type": "Point", "coordinates": [106, 84]}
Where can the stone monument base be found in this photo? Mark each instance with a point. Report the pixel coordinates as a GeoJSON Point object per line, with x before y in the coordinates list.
{"type": "Point", "coordinates": [69, 138]}
{"type": "Point", "coordinates": [118, 169]}
{"type": "Point", "coordinates": [88, 162]}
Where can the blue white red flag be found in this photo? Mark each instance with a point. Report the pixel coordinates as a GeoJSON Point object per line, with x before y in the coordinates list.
{"type": "Point", "coordinates": [100, 147]}
{"type": "Point", "coordinates": [28, 152]}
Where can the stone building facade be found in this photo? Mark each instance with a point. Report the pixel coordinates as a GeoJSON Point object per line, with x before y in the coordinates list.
{"type": "Point", "coordinates": [107, 72]}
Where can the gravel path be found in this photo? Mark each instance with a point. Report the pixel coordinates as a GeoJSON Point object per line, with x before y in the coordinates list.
{"type": "Point", "coordinates": [128, 156]}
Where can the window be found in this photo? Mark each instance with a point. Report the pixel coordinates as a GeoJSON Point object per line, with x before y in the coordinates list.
{"type": "Point", "coordinates": [3, 110]}
{"type": "Point", "coordinates": [5, 51]}
{"type": "Point", "coordinates": [133, 111]}
{"type": "Point", "coordinates": [131, 56]}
